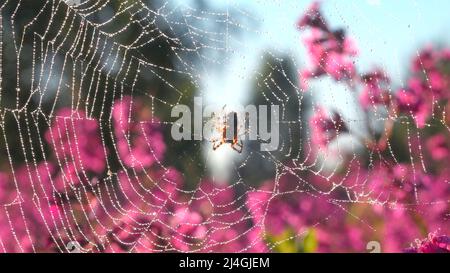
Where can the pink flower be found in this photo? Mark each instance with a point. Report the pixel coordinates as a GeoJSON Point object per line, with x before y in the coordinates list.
{"type": "Point", "coordinates": [399, 229]}
{"type": "Point", "coordinates": [325, 128]}
{"type": "Point", "coordinates": [375, 89]}
{"type": "Point", "coordinates": [134, 233]}
{"type": "Point", "coordinates": [257, 202]}
{"type": "Point", "coordinates": [158, 191]}
{"type": "Point", "coordinates": [219, 202]}
{"type": "Point", "coordinates": [339, 66]}
{"type": "Point", "coordinates": [30, 222]}
{"type": "Point", "coordinates": [38, 180]}
{"type": "Point", "coordinates": [428, 87]}
{"type": "Point", "coordinates": [434, 205]}
{"type": "Point", "coordinates": [189, 230]}
{"type": "Point", "coordinates": [256, 243]}
{"type": "Point", "coordinates": [140, 143]}
{"type": "Point", "coordinates": [437, 147]}
{"type": "Point", "coordinates": [167, 188]}
{"type": "Point", "coordinates": [4, 188]}
{"type": "Point", "coordinates": [226, 240]}
{"type": "Point", "coordinates": [69, 177]}
{"type": "Point", "coordinates": [433, 244]}
{"type": "Point", "coordinates": [398, 183]}
{"type": "Point", "coordinates": [330, 51]}
{"type": "Point", "coordinates": [317, 44]}
{"type": "Point", "coordinates": [436, 82]}
{"type": "Point", "coordinates": [76, 138]}
{"type": "Point", "coordinates": [313, 18]}
{"type": "Point", "coordinates": [411, 103]}
{"type": "Point", "coordinates": [304, 77]}
{"type": "Point", "coordinates": [425, 60]}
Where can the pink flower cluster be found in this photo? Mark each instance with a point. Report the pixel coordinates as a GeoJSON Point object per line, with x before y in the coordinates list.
{"type": "Point", "coordinates": [375, 91]}
{"type": "Point", "coordinates": [404, 200]}
{"type": "Point", "coordinates": [433, 244]}
{"type": "Point", "coordinates": [162, 218]}
{"type": "Point", "coordinates": [44, 202]}
{"type": "Point", "coordinates": [331, 51]}
{"type": "Point", "coordinates": [428, 87]}
{"type": "Point", "coordinates": [138, 136]}
{"type": "Point", "coordinates": [425, 96]}
{"type": "Point", "coordinates": [326, 128]}
{"type": "Point", "coordinates": [391, 204]}
{"type": "Point", "coordinates": [77, 147]}
{"type": "Point", "coordinates": [288, 217]}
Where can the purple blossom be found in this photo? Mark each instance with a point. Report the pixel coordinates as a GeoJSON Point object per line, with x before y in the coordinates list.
{"type": "Point", "coordinates": [330, 51]}
{"type": "Point", "coordinates": [433, 244]}
{"type": "Point", "coordinates": [325, 128]}
{"type": "Point", "coordinates": [411, 103]}
{"type": "Point", "coordinates": [428, 86]}
{"type": "Point", "coordinates": [139, 141]}
{"type": "Point", "coordinates": [75, 138]}
{"type": "Point", "coordinates": [437, 147]}
{"type": "Point", "coordinates": [313, 18]}
{"type": "Point", "coordinates": [374, 91]}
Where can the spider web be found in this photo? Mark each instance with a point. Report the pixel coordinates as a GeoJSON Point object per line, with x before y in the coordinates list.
{"type": "Point", "coordinates": [81, 57]}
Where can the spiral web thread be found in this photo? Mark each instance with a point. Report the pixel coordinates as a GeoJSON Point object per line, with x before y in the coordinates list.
{"type": "Point", "coordinates": [90, 54]}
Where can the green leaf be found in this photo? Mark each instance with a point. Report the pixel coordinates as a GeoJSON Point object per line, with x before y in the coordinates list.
{"type": "Point", "coordinates": [310, 242]}
{"type": "Point", "coordinates": [288, 242]}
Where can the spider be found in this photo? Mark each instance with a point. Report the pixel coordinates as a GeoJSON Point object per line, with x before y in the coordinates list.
{"type": "Point", "coordinates": [229, 135]}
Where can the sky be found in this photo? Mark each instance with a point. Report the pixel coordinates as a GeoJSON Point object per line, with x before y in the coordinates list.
{"type": "Point", "coordinates": [387, 34]}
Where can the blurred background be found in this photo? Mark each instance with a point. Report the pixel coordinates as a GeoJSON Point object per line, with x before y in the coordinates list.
{"type": "Point", "coordinates": [243, 45]}
{"type": "Point", "coordinates": [164, 53]}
